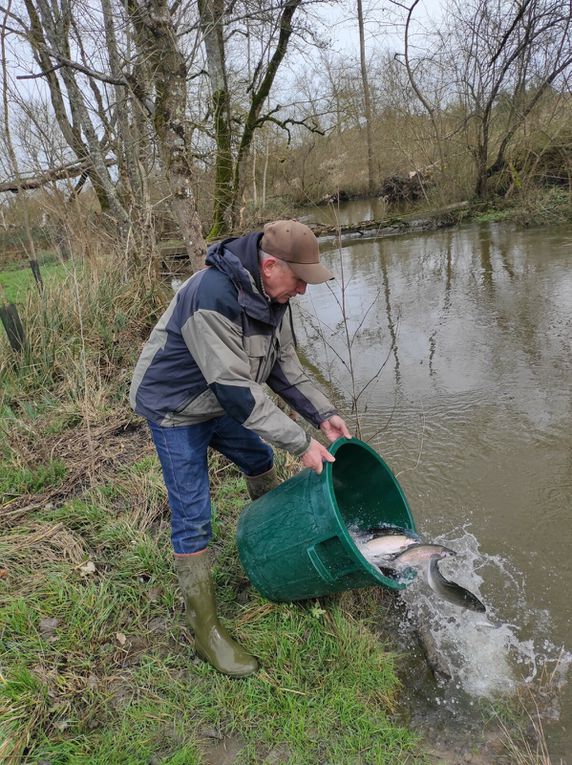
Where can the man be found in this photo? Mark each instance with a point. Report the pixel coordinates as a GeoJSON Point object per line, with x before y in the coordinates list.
{"type": "Point", "coordinates": [199, 381]}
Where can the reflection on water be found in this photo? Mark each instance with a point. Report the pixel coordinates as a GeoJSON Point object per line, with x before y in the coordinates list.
{"type": "Point", "coordinates": [346, 212]}
{"type": "Point", "coordinates": [460, 372]}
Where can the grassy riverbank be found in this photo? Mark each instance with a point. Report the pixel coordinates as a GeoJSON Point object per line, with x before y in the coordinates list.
{"type": "Point", "coordinates": [97, 665]}
{"type": "Point", "coordinates": [536, 207]}
{"type": "Point", "coordinates": [99, 668]}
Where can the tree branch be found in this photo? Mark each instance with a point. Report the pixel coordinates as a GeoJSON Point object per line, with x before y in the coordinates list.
{"type": "Point", "coordinates": [71, 170]}
{"type": "Point", "coordinates": [66, 62]}
{"type": "Point", "coordinates": [284, 124]}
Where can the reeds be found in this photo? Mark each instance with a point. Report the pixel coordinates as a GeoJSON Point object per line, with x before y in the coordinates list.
{"type": "Point", "coordinates": [522, 724]}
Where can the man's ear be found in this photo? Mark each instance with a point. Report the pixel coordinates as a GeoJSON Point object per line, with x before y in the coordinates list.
{"type": "Point", "coordinates": [268, 265]}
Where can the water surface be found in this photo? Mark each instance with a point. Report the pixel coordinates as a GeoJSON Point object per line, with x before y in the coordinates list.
{"type": "Point", "coordinates": [460, 372]}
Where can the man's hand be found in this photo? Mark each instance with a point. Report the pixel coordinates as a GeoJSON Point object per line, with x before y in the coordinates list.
{"type": "Point", "coordinates": [315, 455]}
{"type": "Point", "coordinates": [334, 428]}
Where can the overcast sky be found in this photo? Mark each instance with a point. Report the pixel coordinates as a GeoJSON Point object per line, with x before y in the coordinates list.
{"type": "Point", "coordinates": [342, 23]}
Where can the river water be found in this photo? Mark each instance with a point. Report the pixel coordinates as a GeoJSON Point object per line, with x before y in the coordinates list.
{"type": "Point", "coordinates": [460, 377]}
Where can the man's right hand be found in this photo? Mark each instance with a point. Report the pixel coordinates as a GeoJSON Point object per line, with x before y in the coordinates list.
{"type": "Point", "coordinates": [315, 455]}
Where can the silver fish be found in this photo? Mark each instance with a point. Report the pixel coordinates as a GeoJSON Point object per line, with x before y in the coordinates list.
{"type": "Point", "coordinates": [417, 555]}
{"type": "Point", "coordinates": [399, 552]}
{"type": "Point", "coordinates": [385, 548]}
{"type": "Point", "coordinates": [451, 591]}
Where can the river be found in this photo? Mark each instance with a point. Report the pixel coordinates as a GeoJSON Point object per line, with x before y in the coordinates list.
{"type": "Point", "coordinates": [460, 373]}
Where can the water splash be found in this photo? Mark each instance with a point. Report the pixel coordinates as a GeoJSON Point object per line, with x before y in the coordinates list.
{"type": "Point", "coordinates": [481, 655]}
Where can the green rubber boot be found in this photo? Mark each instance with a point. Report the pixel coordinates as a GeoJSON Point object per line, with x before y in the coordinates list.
{"type": "Point", "coordinates": [258, 485]}
{"type": "Point", "coordinates": [212, 641]}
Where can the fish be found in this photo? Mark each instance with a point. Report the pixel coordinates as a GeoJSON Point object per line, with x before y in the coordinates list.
{"type": "Point", "coordinates": [426, 558]}
{"type": "Point", "coordinates": [451, 591]}
{"type": "Point", "coordinates": [400, 552]}
{"type": "Point", "coordinates": [385, 548]}
{"type": "Point", "coordinates": [416, 555]}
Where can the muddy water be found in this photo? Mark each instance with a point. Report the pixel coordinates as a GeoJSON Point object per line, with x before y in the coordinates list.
{"type": "Point", "coordinates": [461, 367]}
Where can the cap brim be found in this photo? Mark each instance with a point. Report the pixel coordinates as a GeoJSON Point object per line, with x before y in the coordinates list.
{"type": "Point", "coordinates": [312, 273]}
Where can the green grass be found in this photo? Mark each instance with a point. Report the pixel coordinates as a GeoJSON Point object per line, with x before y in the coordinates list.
{"type": "Point", "coordinates": [16, 283]}
{"type": "Point", "coordinates": [541, 206]}
{"type": "Point", "coordinates": [493, 216]}
{"type": "Point", "coordinates": [98, 666]}
{"type": "Point", "coordinates": [16, 480]}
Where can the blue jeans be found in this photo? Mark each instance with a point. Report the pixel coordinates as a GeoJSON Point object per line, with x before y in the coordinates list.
{"type": "Point", "coordinates": [183, 455]}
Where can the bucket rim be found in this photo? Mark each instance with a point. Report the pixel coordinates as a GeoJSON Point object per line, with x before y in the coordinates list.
{"type": "Point", "coordinates": [346, 538]}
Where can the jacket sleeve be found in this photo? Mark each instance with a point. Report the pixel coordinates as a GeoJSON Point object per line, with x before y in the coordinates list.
{"type": "Point", "coordinates": [288, 379]}
{"type": "Point", "coordinates": [216, 344]}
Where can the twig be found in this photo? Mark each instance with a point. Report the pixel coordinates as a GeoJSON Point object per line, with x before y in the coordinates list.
{"type": "Point", "coordinates": [406, 470]}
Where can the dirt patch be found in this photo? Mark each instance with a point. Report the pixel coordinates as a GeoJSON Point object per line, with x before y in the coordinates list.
{"type": "Point", "coordinates": [90, 456]}
{"type": "Point", "coordinates": [278, 755]}
{"type": "Point", "coordinates": [489, 751]}
{"type": "Point", "coordinates": [221, 750]}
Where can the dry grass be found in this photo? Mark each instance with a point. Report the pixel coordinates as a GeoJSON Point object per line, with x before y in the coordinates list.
{"type": "Point", "coordinates": [522, 726]}
{"type": "Point", "coordinates": [91, 457]}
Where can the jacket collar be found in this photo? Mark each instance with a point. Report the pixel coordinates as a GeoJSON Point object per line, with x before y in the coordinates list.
{"type": "Point", "coordinates": [238, 258]}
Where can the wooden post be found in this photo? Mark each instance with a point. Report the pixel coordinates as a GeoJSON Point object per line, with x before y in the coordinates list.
{"type": "Point", "coordinates": [10, 318]}
{"type": "Point", "coordinates": [35, 266]}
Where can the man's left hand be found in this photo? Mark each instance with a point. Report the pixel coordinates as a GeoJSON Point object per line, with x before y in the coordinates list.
{"type": "Point", "coordinates": [334, 428]}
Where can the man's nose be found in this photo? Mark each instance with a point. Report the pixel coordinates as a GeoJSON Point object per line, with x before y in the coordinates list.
{"type": "Point", "coordinates": [301, 287]}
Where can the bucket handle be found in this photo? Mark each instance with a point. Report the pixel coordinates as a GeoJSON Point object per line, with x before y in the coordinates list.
{"type": "Point", "coordinates": [318, 564]}
{"type": "Point", "coordinates": [321, 567]}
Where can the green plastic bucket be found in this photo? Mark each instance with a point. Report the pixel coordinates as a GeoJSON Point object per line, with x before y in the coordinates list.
{"type": "Point", "coordinates": [294, 541]}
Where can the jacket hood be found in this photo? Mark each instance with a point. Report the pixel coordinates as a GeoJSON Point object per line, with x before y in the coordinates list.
{"type": "Point", "coordinates": [237, 258]}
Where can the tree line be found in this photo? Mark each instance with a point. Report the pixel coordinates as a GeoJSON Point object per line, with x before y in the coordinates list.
{"type": "Point", "coordinates": [206, 106]}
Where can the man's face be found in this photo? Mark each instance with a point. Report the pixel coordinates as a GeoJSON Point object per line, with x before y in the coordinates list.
{"type": "Point", "coordinates": [280, 282]}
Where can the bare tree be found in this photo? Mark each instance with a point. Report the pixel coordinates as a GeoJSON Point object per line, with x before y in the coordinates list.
{"type": "Point", "coordinates": [235, 126]}
{"type": "Point", "coordinates": [49, 30]}
{"type": "Point", "coordinates": [158, 45]}
{"type": "Point", "coordinates": [500, 57]}
{"type": "Point", "coordinates": [524, 48]}
{"type": "Point", "coordinates": [113, 73]}
{"type": "Point", "coordinates": [367, 100]}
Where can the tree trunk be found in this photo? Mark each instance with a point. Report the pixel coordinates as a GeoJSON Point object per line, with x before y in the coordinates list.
{"type": "Point", "coordinates": [126, 143]}
{"type": "Point", "coordinates": [481, 180]}
{"type": "Point", "coordinates": [212, 26]}
{"type": "Point", "coordinates": [157, 40]}
{"type": "Point", "coordinates": [367, 102]}
{"type": "Point", "coordinates": [131, 161]}
{"type": "Point", "coordinates": [259, 96]}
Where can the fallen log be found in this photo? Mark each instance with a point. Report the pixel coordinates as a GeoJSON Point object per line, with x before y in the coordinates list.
{"type": "Point", "coordinates": [419, 221]}
{"type": "Point", "coordinates": [71, 170]}
{"type": "Point", "coordinates": [174, 251]}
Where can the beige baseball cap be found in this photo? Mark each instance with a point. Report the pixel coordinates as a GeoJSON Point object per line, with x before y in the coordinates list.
{"type": "Point", "coordinates": [295, 244]}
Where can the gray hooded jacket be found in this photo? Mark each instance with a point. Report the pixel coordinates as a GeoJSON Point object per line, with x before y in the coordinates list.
{"type": "Point", "coordinates": [215, 346]}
